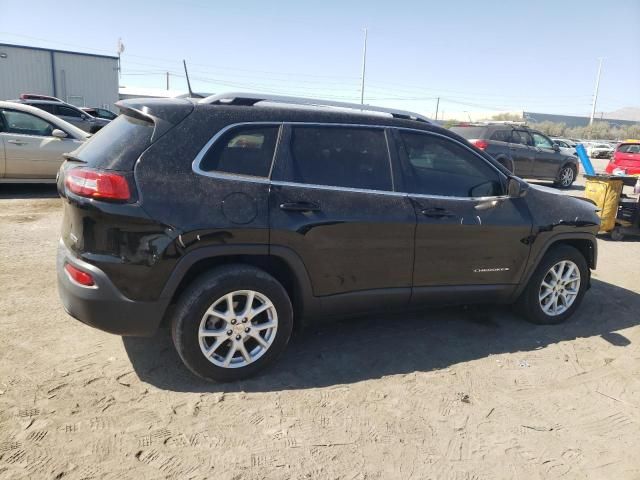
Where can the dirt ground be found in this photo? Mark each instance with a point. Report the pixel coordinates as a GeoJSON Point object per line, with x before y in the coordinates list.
{"type": "Point", "coordinates": [445, 394]}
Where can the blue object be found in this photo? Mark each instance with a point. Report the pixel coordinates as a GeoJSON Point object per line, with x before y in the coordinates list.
{"type": "Point", "coordinates": [584, 159]}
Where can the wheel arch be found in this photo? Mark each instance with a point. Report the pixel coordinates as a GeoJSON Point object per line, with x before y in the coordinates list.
{"type": "Point", "coordinates": [584, 242]}
{"type": "Point", "coordinates": [282, 264]}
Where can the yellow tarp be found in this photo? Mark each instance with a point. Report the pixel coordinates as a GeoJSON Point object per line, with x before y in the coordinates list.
{"type": "Point", "coordinates": [605, 192]}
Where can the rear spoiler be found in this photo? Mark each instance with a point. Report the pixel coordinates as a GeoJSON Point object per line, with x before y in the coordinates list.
{"type": "Point", "coordinates": [164, 113]}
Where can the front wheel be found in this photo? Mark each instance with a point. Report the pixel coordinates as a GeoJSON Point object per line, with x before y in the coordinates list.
{"type": "Point", "coordinates": [556, 288]}
{"type": "Point", "coordinates": [566, 176]}
{"type": "Point", "coordinates": [231, 323]}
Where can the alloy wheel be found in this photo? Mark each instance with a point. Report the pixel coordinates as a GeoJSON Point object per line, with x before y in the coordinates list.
{"type": "Point", "coordinates": [238, 328]}
{"type": "Point", "coordinates": [559, 288]}
{"type": "Point", "coordinates": [566, 176]}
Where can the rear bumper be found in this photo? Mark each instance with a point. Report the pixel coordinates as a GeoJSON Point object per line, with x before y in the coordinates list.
{"type": "Point", "coordinates": [103, 306]}
{"type": "Point", "coordinates": [630, 169]}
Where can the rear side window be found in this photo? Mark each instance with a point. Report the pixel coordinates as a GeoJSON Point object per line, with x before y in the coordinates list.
{"type": "Point", "coordinates": [45, 106]}
{"type": "Point", "coordinates": [469, 132]}
{"type": "Point", "coordinates": [243, 151]}
{"type": "Point", "coordinates": [501, 135]}
{"type": "Point", "coordinates": [68, 112]}
{"type": "Point", "coordinates": [438, 166]}
{"type": "Point", "coordinates": [340, 157]}
{"type": "Point", "coordinates": [118, 145]}
{"type": "Point", "coordinates": [521, 137]}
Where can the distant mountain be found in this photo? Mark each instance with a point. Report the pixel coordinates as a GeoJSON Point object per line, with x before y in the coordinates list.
{"type": "Point", "coordinates": [626, 113]}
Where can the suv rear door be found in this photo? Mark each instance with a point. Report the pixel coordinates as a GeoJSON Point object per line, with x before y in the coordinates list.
{"type": "Point", "coordinates": [522, 152]}
{"type": "Point", "coordinates": [332, 202]}
{"type": "Point", "coordinates": [469, 232]}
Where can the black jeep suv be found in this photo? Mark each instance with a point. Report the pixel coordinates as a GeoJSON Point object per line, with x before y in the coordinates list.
{"type": "Point", "coordinates": [523, 151]}
{"type": "Point", "coordinates": [236, 217]}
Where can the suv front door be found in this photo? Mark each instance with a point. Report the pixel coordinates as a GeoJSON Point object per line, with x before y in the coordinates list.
{"type": "Point", "coordinates": [522, 152]}
{"type": "Point", "coordinates": [469, 234]}
{"type": "Point", "coordinates": [332, 203]}
{"type": "Point", "coordinates": [548, 160]}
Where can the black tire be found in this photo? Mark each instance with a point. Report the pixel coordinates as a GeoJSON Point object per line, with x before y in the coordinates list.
{"type": "Point", "coordinates": [528, 305]}
{"type": "Point", "coordinates": [202, 293]}
{"type": "Point", "coordinates": [560, 182]}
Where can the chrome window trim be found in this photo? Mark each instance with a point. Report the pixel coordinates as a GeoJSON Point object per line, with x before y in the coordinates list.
{"type": "Point", "coordinates": [280, 183]}
{"type": "Point", "coordinates": [195, 165]}
{"type": "Point", "coordinates": [266, 180]}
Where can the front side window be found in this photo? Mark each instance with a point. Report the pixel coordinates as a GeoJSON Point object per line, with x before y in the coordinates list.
{"type": "Point", "coordinates": [243, 151]}
{"type": "Point", "coordinates": [341, 157]}
{"type": "Point", "coordinates": [22, 123]}
{"type": "Point", "coordinates": [68, 112]}
{"type": "Point", "coordinates": [438, 166]}
{"type": "Point", "coordinates": [541, 141]}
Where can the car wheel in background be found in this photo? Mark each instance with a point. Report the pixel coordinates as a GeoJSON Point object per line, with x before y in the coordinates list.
{"type": "Point", "coordinates": [566, 176]}
{"type": "Point", "coordinates": [556, 288]}
{"type": "Point", "coordinates": [232, 322]}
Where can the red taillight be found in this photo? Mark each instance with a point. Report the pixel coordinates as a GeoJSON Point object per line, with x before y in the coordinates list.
{"type": "Point", "coordinates": [83, 278]}
{"type": "Point", "coordinates": [94, 184]}
{"type": "Point", "coordinates": [481, 144]}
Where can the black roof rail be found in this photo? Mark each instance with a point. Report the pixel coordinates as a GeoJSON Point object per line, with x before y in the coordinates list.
{"type": "Point", "coordinates": [250, 99]}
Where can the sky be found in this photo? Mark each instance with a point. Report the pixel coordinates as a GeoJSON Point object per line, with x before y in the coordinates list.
{"type": "Point", "coordinates": [539, 56]}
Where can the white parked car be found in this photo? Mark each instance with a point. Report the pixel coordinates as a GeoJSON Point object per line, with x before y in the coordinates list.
{"type": "Point", "coordinates": [32, 143]}
{"type": "Point", "coordinates": [600, 150]}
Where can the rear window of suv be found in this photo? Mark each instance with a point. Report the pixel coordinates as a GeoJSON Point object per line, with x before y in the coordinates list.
{"type": "Point", "coordinates": [629, 148]}
{"type": "Point", "coordinates": [469, 132]}
{"type": "Point", "coordinates": [118, 145]}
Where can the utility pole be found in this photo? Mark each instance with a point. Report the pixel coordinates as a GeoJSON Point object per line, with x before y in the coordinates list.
{"type": "Point", "coordinates": [364, 67]}
{"type": "Point", "coordinates": [437, 107]}
{"type": "Point", "coordinates": [595, 95]}
{"type": "Point", "coordinates": [120, 49]}
{"type": "Point", "coordinates": [167, 80]}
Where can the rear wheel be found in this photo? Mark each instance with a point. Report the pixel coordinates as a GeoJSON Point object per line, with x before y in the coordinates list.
{"type": "Point", "coordinates": [566, 176]}
{"type": "Point", "coordinates": [232, 322]}
{"type": "Point", "coordinates": [556, 288]}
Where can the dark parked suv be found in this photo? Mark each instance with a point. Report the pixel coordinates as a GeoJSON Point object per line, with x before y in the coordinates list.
{"type": "Point", "coordinates": [525, 152]}
{"type": "Point", "coordinates": [236, 217]}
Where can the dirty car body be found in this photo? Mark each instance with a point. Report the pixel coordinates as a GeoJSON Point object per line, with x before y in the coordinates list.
{"type": "Point", "coordinates": [316, 213]}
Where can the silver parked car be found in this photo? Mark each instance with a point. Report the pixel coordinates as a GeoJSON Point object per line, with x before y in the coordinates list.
{"type": "Point", "coordinates": [32, 143]}
{"type": "Point", "coordinates": [66, 112]}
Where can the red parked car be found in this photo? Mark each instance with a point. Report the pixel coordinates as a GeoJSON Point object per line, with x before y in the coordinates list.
{"type": "Point", "coordinates": [626, 157]}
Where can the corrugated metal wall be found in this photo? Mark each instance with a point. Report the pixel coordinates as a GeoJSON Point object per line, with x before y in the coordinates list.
{"type": "Point", "coordinates": [82, 80]}
{"type": "Point", "coordinates": [24, 70]}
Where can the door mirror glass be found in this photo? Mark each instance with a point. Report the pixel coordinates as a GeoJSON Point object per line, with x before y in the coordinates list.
{"type": "Point", "coordinates": [58, 133]}
{"type": "Point", "coordinates": [516, 187]}
{"type": "Point", "coordinates": [556, 147]}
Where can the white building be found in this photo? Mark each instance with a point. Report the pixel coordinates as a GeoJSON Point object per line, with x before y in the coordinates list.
{"type": "Point", "coordinates": [82, 79]}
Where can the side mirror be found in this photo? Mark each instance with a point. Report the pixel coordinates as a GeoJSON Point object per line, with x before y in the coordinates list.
{"type": "Point", "coordinates": [556, 147]}
{"type": "Point", "coordinates": [516, 188]}
{"type": "Point", "coordinates": [58, 133]}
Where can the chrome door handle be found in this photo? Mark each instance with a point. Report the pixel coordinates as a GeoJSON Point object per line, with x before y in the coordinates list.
{"type": "Point", "coordinates": [437, 212]}
{"type": "Point", "coordinates": [300, 207]}
{"type": "Point", "coordinates": [17, 142]}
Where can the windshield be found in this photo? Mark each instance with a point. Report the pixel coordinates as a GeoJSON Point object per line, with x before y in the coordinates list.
{"type": "Point", "coordinates": [118, 145]}
{"type": "Point", "coordinates": [469, 132]}
{"type": "Point", "coordinates": [629, 148]}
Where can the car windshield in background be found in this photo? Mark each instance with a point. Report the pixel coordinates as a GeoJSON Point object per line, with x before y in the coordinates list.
{"type": "Point", "coordinates": [118, 145]}
{"type": "Point", "coordinates": [469, 132]}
